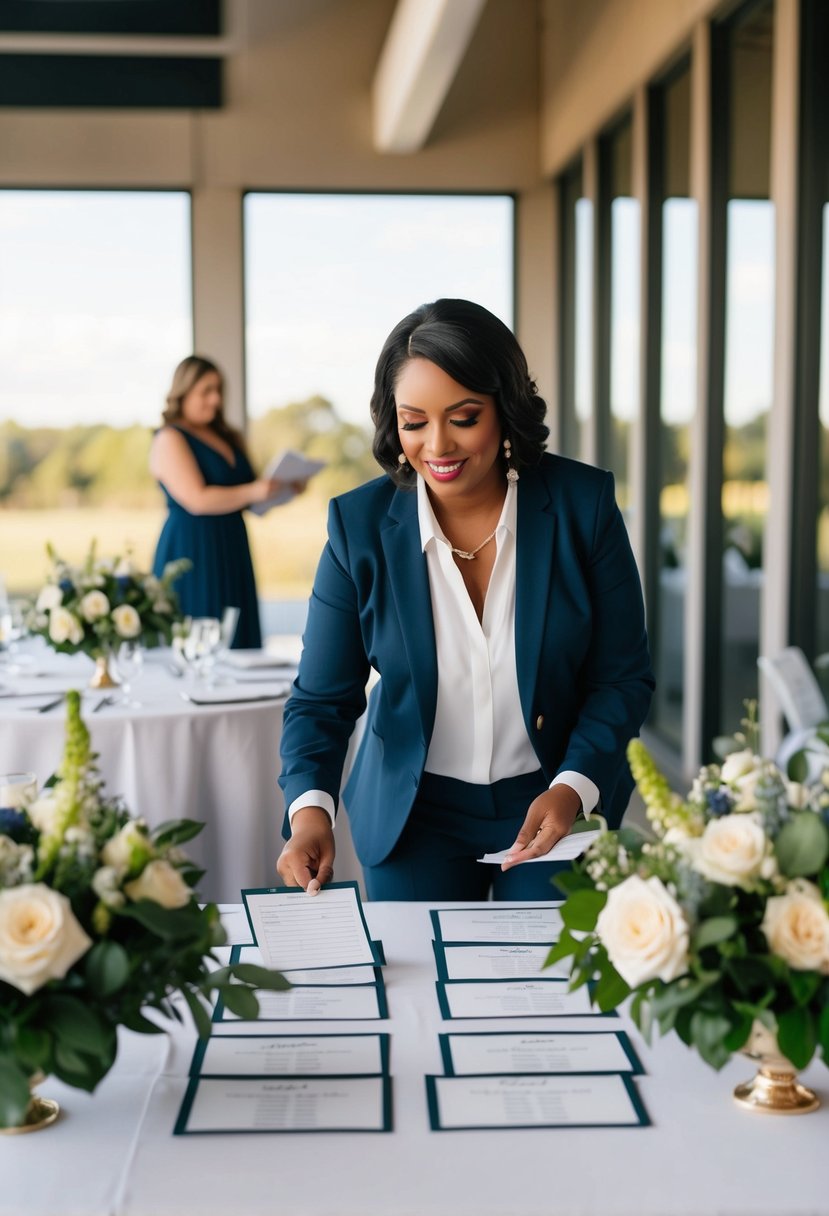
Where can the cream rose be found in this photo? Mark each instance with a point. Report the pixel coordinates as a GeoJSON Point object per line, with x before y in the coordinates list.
{"type": "Point", "coordinates": [127, 621]}
{"type": "Point", "coordinates": [94, 605]}
{"type": "Point", "coordinates": [796, 926]}
{"type": "Point", "coordinates": [128, 849]}
{"type": "Point", "coordinates": [161, 883]}
{"type": "Point", "coordinates": [732, 850]}
{"type": "Point", "coordinates": [50, 597]}
{"type": "Point", "coordinates": [64, 627]}
{"type": "Point", "coordinates": [739, 764]}
{"type": "Point", "coordinates": [644, 931]}
{"type": "Point", "coordinates": [40, 938]}
{"type": "Point", "coordinates": [105, 884]}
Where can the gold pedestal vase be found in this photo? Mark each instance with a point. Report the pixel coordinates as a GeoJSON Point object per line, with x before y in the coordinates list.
{"type": "Point", "coordinates": [775, 1089]}
{"type": "Point", "coordinates": [102, 676]}
{"type": "Point", "coordinates": [40, 1112]}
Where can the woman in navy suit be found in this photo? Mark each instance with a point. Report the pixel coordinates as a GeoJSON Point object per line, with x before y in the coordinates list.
{"type": "Point", "coordinates": [492, 587]}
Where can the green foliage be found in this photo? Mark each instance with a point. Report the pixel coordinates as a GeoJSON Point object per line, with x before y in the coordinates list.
{"type": "Point", "coordinates": [802, 846]}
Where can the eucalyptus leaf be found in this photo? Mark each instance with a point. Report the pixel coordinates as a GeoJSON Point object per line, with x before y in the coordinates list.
{"type": "Point", "coordinates": [802, 845]}
{"type": "Point", "coordinates": [14, 1093]}
{"type": "Point", "coordinates": [107, 968]}
{"type": "Point", "coordinates": [711, 932]}
{"type": "Point", "coordinates": [798, 767]}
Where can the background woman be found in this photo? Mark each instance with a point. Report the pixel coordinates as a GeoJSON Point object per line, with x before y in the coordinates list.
{"type": "Point", "coordinates": [202, 466]}
{"type": "Point", "coordinates": [492, 586]}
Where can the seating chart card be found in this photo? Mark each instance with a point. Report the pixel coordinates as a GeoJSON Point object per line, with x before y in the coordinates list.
{"type": "Point", "coordinates": [295, 930]}
{"type": "Point", "coordinates": [285, 1104]}
{"type": "Point", "coordinates": [291, 1055]}
{"type": "Point", "coordinates": [543, 1051]}
{"type": "Point", "coordinates": [355, 1002]}
{"type": "Point", "coordinates": [496, 924]}
{"type": "Point", "coordinates": [496, 961]}
{"type": "Point", "coordinates": [513, 999]}
{"type": "Point", "coordinates": [318, 976]}
{"type": "Point", "coordinates": [477, 1103]}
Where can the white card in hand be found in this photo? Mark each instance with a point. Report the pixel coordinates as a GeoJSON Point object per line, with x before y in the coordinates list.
{"type": "Point", "coordinates": [295, 930]}
{"type": "Point", "coordinates": [566, 849]}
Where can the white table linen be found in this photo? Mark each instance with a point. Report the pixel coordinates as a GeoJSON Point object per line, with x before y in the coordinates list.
{"type": "Point", "coordinates": [114, 1154]}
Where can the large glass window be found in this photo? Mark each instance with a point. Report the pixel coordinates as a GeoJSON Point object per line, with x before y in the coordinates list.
{"type": "Point", "coordinates": [749, 343]}
{"type": "Point", "coordinates": [677, 393]}
{"type": "Point", "coordinates": [326, 279]}
{"type": "Point", "coordinates": [815, 235]}
{"type": "Point", "coordinates": [576, 303]}
{"type": "Point", "coordinates": [95, 312]}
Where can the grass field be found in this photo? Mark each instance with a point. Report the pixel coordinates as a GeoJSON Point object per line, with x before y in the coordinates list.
{"type": "Point", "coordinates": [286, 543]}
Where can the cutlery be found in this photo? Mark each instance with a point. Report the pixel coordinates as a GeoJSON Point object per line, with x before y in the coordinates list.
{"type": "Point", "coordinates": [104, 701]}
{"type": "Point", "coordinates": [41, 709]}
{"type": "Point", "coordinates": [41, 692]}
{"type": "Point", "coordinates": [174, 670]}
{"type": "Point", "coordinates": [275, 696]}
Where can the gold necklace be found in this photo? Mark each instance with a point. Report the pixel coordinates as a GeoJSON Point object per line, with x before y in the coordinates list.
{"type": "Point", "coordinates": [469, 554]}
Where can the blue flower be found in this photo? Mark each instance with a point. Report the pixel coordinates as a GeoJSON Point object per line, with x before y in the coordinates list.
{"type": "Point", "coordinates": [67, 586]}
{"type": "Point", "coordinates": [720, 802]}
{"type": "Point", "coordinates": [17, 825]}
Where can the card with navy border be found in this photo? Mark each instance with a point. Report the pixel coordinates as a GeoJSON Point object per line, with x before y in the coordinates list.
{"type": "Point", "coordinates": [317, 977]}
{"type": "Point", "coordinates": [489, 1052]}
{"type": "Point", "coordinates": [497, 924]}
{"type": "Point", "coordinates": [484, 1103]}
{"type": "Point", "coordinates": [297, 931]}
{"type": "Point", "coordinates": [513, 999]}
{"type": "Point", "coordinates": [496, 961]}
{"type": "Point", "coordinates": [291, 1055]}
{"type": "Point", "coordinates": [348, 1003]}
{"type": "Point", "coordinates": [259, 1105]}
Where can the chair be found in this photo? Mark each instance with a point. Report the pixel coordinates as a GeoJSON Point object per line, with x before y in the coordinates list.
{"type": "Point", "coordinates": [796, 688]}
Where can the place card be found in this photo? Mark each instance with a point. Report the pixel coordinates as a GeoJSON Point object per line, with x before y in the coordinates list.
{"type": "Point", "coordinates": [545, 1051]}
{"type": "Point", "coordinates": [512, 999]}
{"type": "Point", "coordinates": [496, 961]}
{"type": "Point", "coordinates": [287, 1104]}
{"type": "Point", "coordinates": [566, 849]}
{"type": "Point", "coordinates": [291, 1055]}
{"type": "Point", "coordinates": [364, 1002]}
{"type": "Point", "coordinates": [486, 1103]}
{"type": "Point", "coordinates": [497, 924]}
{"type": "Point", "coordinates": [295, 930]}
{"type": "Point", "coordinates": [318, 976]}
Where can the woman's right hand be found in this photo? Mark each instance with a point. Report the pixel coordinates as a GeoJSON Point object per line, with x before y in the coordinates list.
{"type": "Point", "coordinates": [307, 859]}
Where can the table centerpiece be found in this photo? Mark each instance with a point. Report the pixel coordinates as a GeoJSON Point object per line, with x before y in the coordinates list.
{"type": "Point", "coordinates": [715, 922]}
{"type": "Point", "coordinates": [94, 607]}
{"type": "Point", "coordinates": [99, 924]}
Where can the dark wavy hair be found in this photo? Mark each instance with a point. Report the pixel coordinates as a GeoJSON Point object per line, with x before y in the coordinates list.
{"type": "Point", "coordinates": [477, 350]}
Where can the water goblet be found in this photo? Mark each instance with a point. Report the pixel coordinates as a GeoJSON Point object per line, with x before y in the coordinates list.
{"type": "Point", "coordinates": [129, 665]}
{"type": "Point", "coordinates": [201, 645]}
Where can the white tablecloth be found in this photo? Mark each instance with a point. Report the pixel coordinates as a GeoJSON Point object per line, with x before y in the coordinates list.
{"type": "Point", "coordinates": [114, 1154]}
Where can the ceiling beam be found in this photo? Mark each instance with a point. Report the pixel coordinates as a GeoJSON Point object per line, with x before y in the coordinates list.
{"type": "Point", "coordinates": [424, 47]}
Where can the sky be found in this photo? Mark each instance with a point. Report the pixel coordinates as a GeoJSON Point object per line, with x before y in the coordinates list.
{"type": "Point", "coordinates": [95, 297]}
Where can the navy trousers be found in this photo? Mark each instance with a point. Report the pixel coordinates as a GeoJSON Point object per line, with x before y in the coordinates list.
{"type": "Point", "coordinates": [451, 824]}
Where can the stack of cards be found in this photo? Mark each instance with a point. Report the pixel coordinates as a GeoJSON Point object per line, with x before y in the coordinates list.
{"type": "Point", "coordinates": [490, 964]}
{"type": "Point", "coordinates": [244, 1081]}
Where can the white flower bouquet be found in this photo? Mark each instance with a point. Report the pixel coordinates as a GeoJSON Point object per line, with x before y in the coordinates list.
{"type": "Point", "coordinates": [94, 607]}
{"type": "Point", "coordinates": [99, 922]}
{"type": "Point", "coordinates": [717, 921]}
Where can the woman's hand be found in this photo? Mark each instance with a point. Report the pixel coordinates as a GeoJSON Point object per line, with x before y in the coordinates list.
{"type": "Point", "coordinates": [307, 859]}
{"type": "Point", "coordinates": [551, 816]}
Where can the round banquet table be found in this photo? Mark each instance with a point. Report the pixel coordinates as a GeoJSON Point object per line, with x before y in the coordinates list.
{"type": "Point", "coordinates": [169, 758]}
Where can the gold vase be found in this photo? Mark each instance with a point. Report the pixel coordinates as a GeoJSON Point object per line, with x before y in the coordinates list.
{"type": "Point", "coordinates": [102, 677]}
{"type": "Point", "coordinates": [775, 1089]}
{"type": "Point", "coordinates": [39, 1113]}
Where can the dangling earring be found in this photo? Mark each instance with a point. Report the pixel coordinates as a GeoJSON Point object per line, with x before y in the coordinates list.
{"type": "Point", "coordinates": [401, 460]}
{"type": "Point", "coordinates": [512, 474]}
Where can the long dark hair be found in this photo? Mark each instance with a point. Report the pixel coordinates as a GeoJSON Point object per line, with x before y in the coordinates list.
{"type": "Point", "coordinates": [477, 350]}
{"type": "Point", "coordinates": [187, 374]}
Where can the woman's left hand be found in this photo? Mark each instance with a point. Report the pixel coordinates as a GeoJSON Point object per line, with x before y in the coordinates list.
{"type": "Point", "coordinates": [551, 816]}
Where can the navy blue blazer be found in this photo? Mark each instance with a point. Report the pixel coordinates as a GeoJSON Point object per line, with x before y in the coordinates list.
{"type": "Point", "coordinates": [584, 675]}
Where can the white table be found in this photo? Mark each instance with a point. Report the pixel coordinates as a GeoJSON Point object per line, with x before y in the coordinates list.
{"type": "Point", "coordinates": [113, 1154]}
{"type": "Point", "coordinates": [169, 759]}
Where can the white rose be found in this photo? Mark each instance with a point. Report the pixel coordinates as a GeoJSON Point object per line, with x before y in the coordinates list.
{"type": "Point", "coordinates": [45, 813]}
{"type": "Point", "coordinates": [644, 931]}
{"type": "Point", "coordinates": [739, 764]}
{"type": "Point", "coordinates": [161, 883]}
{"type": "Point", "coordinates": [94, 605]}
{"type": "Point", "coordinates": [732, 850]}
{"type": "Point", "coordinates": [105, 884]}
{"type": "Point", "coordinates": [127, 621]}
{"type": "Point", "coordinates": [796, 926]}
{"type": "Point", "coordinates": [64, 626]}
{"type": "Point", "coordinates": [50, 596]}
{"type": "Point", "coordinates": [128, 849]}
{"type": "Point", "coordinates": [40, 938]}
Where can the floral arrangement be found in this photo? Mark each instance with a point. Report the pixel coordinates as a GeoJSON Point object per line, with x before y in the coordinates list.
{"type": "Point", "coordinates": [98, 923]}
{"type": "Point", "coordinates": [717, 920]}
{"type": "Point", "coordinates": [95, 606]}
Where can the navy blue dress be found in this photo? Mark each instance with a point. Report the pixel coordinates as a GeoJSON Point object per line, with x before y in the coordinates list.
{"type": "Point", "coordinates": [217, 545]}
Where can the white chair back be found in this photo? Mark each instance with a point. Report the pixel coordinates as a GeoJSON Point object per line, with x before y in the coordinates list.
{"type": "Point", "coordinates": [796, 688]}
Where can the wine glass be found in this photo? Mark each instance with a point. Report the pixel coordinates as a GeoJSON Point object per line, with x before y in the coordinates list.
{"type": "Point", "coordinates": [129, 665]}
{"type": "Point", "coordinates": [13, 630]}
{"type": "Point", "coordinates": [201, 645]}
